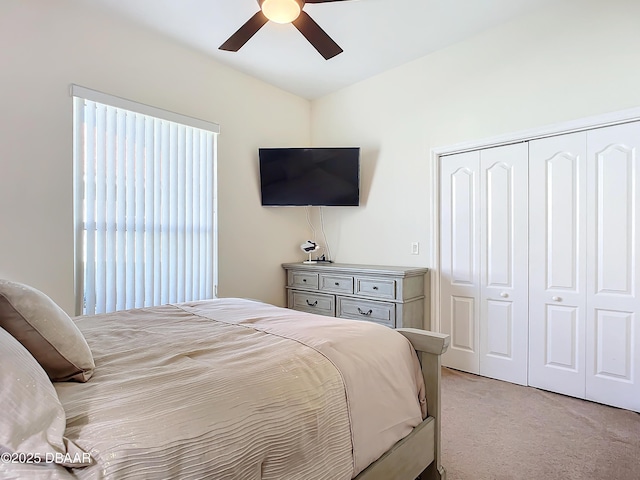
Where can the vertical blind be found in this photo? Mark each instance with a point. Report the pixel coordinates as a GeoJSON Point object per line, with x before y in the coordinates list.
{"type": "Point", "coordinates": [145, 219]}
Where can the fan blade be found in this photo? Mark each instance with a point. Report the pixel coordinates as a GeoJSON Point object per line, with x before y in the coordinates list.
{"type": "Point", "coordinates": [316, 36]}
{"type": "Point", "coordinates": [244, 33]}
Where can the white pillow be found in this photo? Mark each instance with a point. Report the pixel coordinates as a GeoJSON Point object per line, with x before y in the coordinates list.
{"type": "Point", "coordinates": [33, 420]}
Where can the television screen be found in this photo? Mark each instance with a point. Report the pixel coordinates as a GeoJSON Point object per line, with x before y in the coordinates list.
{"type": "Point", "coordinates": [310, 176]}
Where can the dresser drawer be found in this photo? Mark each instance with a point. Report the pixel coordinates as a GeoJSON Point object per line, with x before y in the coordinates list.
{"type": "Point", "coordinates": [312, 302]}
{"type": "Point", "coordinates": [375, 287]}
{"type": "Point", "coordinates": [336, 283]}
{"type": "Point", "coordinates": [303, 280]}
{"type": "Point", "coordinates": [379, 312]}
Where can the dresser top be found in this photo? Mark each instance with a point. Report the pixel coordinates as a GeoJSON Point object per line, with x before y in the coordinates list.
{"type": "Point", "coordinates": [357, 269]}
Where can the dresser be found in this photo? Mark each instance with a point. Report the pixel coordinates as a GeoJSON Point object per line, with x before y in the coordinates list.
{"type": "Point", "coordinates": [391, 296]}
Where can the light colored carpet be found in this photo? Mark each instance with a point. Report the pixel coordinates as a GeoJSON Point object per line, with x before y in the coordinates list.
{"type": "Point", "coordinates": [494, 430]}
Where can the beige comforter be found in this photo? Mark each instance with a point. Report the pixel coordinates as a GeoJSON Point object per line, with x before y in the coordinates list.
{"type": "Point", "coordinates": [236, 389]}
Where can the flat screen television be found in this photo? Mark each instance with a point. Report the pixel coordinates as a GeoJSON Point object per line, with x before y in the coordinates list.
{"type": "Point", "coordinates": [310, 176]}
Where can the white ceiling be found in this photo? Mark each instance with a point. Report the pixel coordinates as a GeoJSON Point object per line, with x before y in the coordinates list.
{"type": "Point", "coordinates": [376, 35]}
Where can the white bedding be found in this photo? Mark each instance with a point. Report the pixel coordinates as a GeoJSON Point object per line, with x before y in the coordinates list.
{"type": "Point", "coordinates": [237, 389]}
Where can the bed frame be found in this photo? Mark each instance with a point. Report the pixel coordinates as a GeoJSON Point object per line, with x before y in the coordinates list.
{"type": "Point", "coordinates": [418, 454]}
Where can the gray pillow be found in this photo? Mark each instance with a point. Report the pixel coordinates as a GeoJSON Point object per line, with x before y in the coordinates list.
{"type": "Point", "coordinates": [32, 420]}
{"type": "Point", "coordinates": [46, 331]}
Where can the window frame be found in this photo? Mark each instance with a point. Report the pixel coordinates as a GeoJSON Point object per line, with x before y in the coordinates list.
{"type": "Point", "coordinates": [79, 94]}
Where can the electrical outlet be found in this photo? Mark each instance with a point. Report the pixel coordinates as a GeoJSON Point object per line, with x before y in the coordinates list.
{"type": "Point", "coordinates": [415, 248]}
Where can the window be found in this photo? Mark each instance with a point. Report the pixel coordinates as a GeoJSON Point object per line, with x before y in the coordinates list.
{"type": "Point", "coordinates": [144, 203]}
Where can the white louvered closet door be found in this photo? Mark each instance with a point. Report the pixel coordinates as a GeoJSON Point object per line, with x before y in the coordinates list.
{"type": "Point", "coordinates": [484, 286]}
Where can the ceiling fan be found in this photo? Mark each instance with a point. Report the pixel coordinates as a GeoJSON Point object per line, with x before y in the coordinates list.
{"type": "Point", "coordinates": [285, 11]}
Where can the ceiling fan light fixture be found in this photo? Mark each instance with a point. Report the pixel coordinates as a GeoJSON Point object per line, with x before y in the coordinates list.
{"type": "Point", "coordinates": [285, 11]}
{"type": "Point", "coordinates": [281, 11]}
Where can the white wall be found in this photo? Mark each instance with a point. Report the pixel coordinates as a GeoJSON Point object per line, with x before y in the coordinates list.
{"type": "Point", "coordinates": [49, 44]}
{"type": "Point", "coordinates": [578, 59]}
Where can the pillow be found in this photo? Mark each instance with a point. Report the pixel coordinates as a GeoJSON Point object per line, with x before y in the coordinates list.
{"type": "Point", "coordinates": [33, 420]}
{"type": "Point", "coordinates": [46, 331]}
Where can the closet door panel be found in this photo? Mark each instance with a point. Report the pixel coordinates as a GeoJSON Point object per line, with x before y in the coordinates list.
{"type": "Point", "coordinates": [561, 337]}
{"type": "Point", "coordinates": [557, 249]}
{"type": "Point", "coordinates": [613, 336]}
{"type": "Point", "coordinates": [504, 263]}
{"type": "Point", "coordinates": [459, 250]}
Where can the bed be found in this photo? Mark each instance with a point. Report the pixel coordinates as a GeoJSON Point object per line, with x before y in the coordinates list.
{"type": "Point", "coordinates": [219, 389]}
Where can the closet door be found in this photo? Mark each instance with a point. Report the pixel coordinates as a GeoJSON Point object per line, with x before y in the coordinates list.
{"type": "Point", "coordinates": [459, 259]}
{"type": "Point", "coordinates": [483, 283]}
{"type": "Point", "coordinates": [557, 250]}
{"type": "Point", "coordinates": [613, 269]}
{"type": "Point", "coordinates": [504, 263]}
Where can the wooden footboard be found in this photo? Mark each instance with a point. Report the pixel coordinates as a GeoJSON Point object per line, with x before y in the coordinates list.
{"type": "Point", "coordinates": [418, 454]}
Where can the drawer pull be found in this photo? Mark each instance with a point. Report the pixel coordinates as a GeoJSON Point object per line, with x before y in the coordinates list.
{"type": "Point", "coordinates": [337, 284]}
{"type": "Point", "coordinates": [312, 304]}
{"type": "Point", "coordinates": [304, 280]}
{"type": "Point", "coordinates": [366, 314]}
{"type": "Point", "coordinates": [375, 287]}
